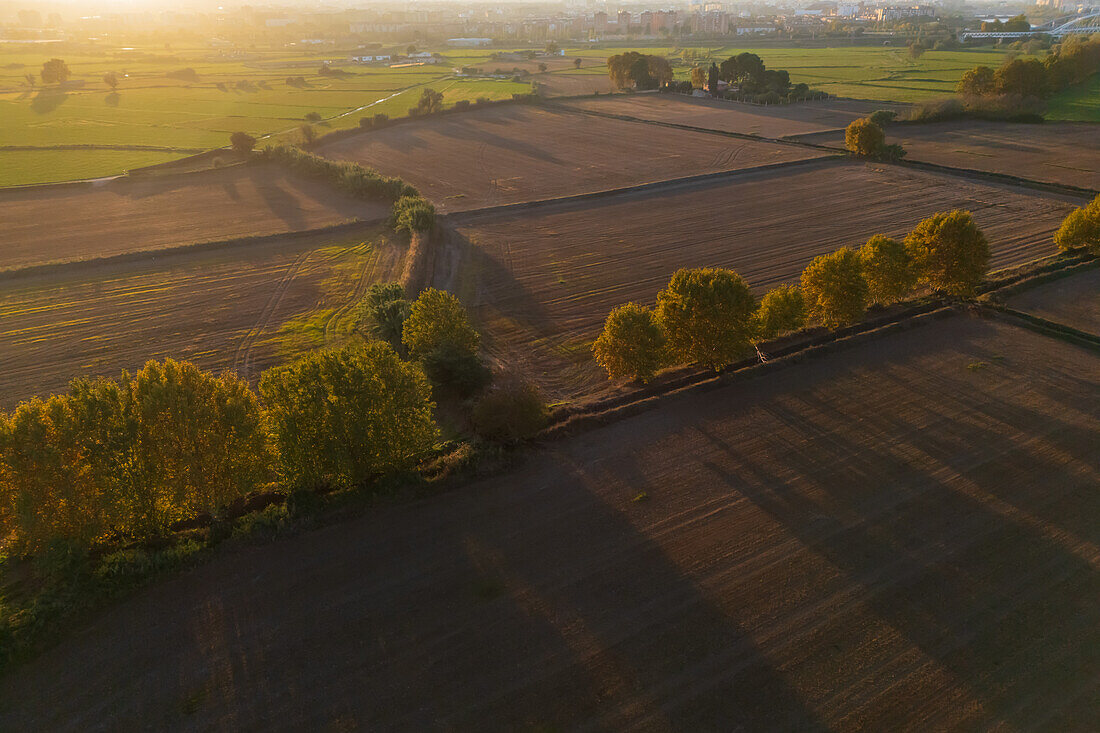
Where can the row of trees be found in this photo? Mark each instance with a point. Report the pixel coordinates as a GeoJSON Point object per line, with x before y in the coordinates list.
{"type": "Point", "coordinates": [129, 458]}
{"type": "Point", "coordinates": [638, 71]}
{"type": "Point", "coordinates": [709, 316]}
{"type": "Point", "coordinates": [1073, 61]}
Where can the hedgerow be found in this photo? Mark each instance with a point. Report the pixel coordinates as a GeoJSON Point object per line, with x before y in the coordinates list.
{"type": "Point", "coordinates": [349, 177]}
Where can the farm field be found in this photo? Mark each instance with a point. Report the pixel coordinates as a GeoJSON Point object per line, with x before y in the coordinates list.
{"type": "Point", "coordinates": [516, 153]}
{"type": "Point", "coordinates": [542, 282]}
{"type": "Point", "coordinates": [738, 555]}
{"type": "Point", "coordinates": [47, 225]}
{"type": "Point", "coordinates": [748, 119]}
{"type": "Point", "coordinates": [1074, 301]}
{"type": "Point", "coordinates": [1052, 152]}
{"type": "Point", "coordinates": [242, 307]}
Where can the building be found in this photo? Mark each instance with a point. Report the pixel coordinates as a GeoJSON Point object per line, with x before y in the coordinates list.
{"type": "Point", "coordinates": [467, 43]}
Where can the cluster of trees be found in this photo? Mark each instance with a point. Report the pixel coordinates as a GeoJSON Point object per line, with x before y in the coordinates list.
{"type": "Point", "coordinates": [866, 137]}
{"type": "Point", "coordinates": [709, 316]}
{"type": "Point", "coordinates": [350, 177]}
{"type": "Point", "coordinates": [1017, 24]}
{"type": "Point", "coordinates": [638, 71]}
{"type": "Point", "coordinates": [1081, 229]}
{"type": "Point", "coordinates": [1073, 61]}
{"type": "Point", "coordinates": [430, 103]}
{"type": "Point", "coordinates": [752, 80]}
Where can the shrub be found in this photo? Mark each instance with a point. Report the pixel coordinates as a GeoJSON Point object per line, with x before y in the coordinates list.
{"type": "Point", "coordinates": [883, 117]}
{"type": "Point", "coordinates": [834, 289]}
{"type": "Point", "coordinates": [976, 82]}
{"type": "Point", "coordinates": [632, 344]}
{"type": "Point", "coordinates": [864, 137]}
{"type": "Point", "coordinates": [887, 268]}
{"type": "Point", "coordinates": [511, 411]}
{"type": "Point", "coordinates": [413, 214]}
{"type": "Point", "coordinates": [949, 252]}
{"type": "Point", "coordinates": [242, 142]}
{"type": "Point", "coordinates": [456, 372]}
{"type": "Point", "coordinates": [1081, 229]}
{"type": "Point", "coordinates": [781, 310]}
{"type": "Point", "coordinates": [383, 311]}
{"type": "Point", "coordinates": [437, 321]}
{"type": "Point", "coordinates": [313, 117]}
{"type": "Point", "coordinates": [341, 418]}
{"type": "Point", "coordinates": [707, 316]}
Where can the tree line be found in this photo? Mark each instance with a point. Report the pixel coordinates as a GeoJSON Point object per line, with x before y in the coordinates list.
{"type": "Point", "coordinates": [127, 459]}
{"type": "Point", "coordinates": [1072, 62]}
{"type": "Point", "coordinates": [709, 316]}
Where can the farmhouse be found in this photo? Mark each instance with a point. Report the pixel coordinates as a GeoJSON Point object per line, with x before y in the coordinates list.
{"type": "Point", "coordinates": [371, 59]}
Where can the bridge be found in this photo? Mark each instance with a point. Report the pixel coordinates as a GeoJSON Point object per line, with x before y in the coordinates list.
{"type": "Point", "coordinates": [1086, 24]}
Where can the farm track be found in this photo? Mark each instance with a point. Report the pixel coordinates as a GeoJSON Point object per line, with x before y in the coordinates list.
{"type": "Point", "coordinates": [773, 572]}
{"type": "Point", "coordinates": [242, 360]}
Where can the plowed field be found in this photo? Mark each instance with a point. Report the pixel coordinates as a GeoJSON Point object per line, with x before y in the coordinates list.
{"type": "Point", "coordinates": [515, 153]}
{"type": "Point", "coordinates": [542, 281]}
{"type": "Point", "coordinates": [1074, 301]}
{"type": "Point", "coordinates": [881, 539]}
{"type": "Point", "coordinates": [61, 224]}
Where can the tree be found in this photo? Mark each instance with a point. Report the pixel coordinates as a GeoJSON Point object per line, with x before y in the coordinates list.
{"type": "Point", "coordinates": [55, 71]}
{"type": "Point", "coordinates": [864, 138]}
{"type": "Point", "coordinates": [949, 252]}
{"type": "Point", "coordinates": [698, 77]}
{"type": "Point", "coordinates": [383, 311]}
{"type": "Point", "coordinates": [632, 344]}
{"type": "Point", "coordinates": [31, 80]}
{"type": "Point", "coordinates": [781, 310]}
{"type": "Point", "coordinates": [438, 321]}
{"type": "Point", "coordinates": [341, 418]}
{"type": "Point", "coordinates": [883, 117]}
{"type": "Point", "coordinates": [111, 80]}
{"type": "Point", "coordinates": [307, 133]}
{"type": "Point", "coordinates": [887, 268]}
{"type": "Point", "coordinates": [977, 82]}
{"type": "Point", "coordinates": [834, 289]}
{"type": "Point", "coordinates": [552, 47]}
{"type": "Point", "coordinates": [1027, 78]}
{"type": "Point", "coordinates": [641, 71]}
{"type": "Point", "coordinates": [512, 411]}
{"type": "Point", "coordinates": [707, 314]}
{"type": "Point", "coordinates": [1081, 229]}
{"type": "Point", "coordinates": [916, 50]}
{"type": "Point", "coordinates": [242, 142]}
{"type": "Point", "coordinates": [577, 63]}
{"type": "Point", "coordinates": [413, 214]}
{"type": "Point", "coordinates": [741, 68]}
{"type": "Point", "coordinates": [712, 80]}
{"type": "Point", "coordinates": [1017, 24]}
{"type": "Point", "coordinates": [430, 102]}
{"type": "Point", "coordinates": [542, 68]}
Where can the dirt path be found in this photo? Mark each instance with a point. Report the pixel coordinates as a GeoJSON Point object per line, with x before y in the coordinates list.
{"type": "Point", "coordinates": [886, 538]}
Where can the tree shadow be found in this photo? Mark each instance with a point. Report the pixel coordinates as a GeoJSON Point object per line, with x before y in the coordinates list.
{"type": "Point", "coordinates": [112, 99]}
{"type": "Point", "coordinates": [48, 99]}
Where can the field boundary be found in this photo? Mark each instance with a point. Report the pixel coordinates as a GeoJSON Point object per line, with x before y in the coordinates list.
{"type": "Point", "coordinates": [55, 268]}
{"type": "Point", "coordinates": [637, 188]}
{"type": "Point", "coordinates": [1044, 326]}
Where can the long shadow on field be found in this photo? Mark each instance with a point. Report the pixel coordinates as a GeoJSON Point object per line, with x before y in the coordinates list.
{"type": "Point", "coordinates": [49, 99]}
{"type": "Point", "coordinates": [493, 141]}
{"type": "Point", "coordinates": [965, 556]}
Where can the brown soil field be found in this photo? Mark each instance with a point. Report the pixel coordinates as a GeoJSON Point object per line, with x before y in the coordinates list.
{"type": "Point", "coordinates": [65, 223]}
{"type": "Point", "coordinates": [749, 119]}
{"type": "Point", "coordinates": [239, 307]}
{"type": "Point", "coordinates": [1054, 152]}
{"type": "Point", "coordinates": [1074, 301]}
{"type": "Point", "coordinates": [513, 153]}
{"type": "Point", "coordinates": [884, 538]}
{"type": "Point", "coordinates": [541, 282]}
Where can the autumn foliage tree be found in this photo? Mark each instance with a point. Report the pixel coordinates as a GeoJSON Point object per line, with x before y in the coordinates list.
{"type": "Point", "coordinates": [782, 309]}
{"type": "Point", "coordinates": [1081, 229]}
{"type": "Point", "coordinates": [343, 417]}
{"type": "Point", "coordinates": [632, 344]}
{"type": "Point", "coordinates": [864, 137]}
{"type": "Point", "coordinates": [977, 82]}
{"type": "Point", "coordinates": [949, 252]}
{"type": "Point", "coordinates": [834, 289]}
{"type": "Point", "coordinates": [707, 315]}
{"type": "Point", "coordinates": [438, 334]}
{"type": "Point", "coordinates": [888, 269]}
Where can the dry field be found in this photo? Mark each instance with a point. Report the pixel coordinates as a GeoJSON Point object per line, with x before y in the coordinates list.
{"type": "Point", "coordinates": [885, 538]}
{"type": "Point", "coordinates": [749, 119]}
{"type": "Point", "coordinates": [241, 307]}
{"type": "Point", "coordinates": [517, 153]}
{"type": "Point", "coordinates": [60, 224]}
{"type": "Point", "coordinates": [541, 282]}
{"type": "Point", "coordinates": [1074, 301]}
{"type": "Point", "coordinates": [1054, 152]}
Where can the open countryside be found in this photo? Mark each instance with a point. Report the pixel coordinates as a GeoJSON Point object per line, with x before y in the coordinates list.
{"type": "Point", "coordinates": [480, 369]}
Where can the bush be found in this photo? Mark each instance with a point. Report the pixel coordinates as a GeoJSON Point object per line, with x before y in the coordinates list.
{"type": "Point", "coordinates": [863, 137]}
{"type": "Point", "coordinates": [632, 344]}
{"type": "Point", "coordinates": [887, 268]}
{"type": "Point", "coordinates": [781, 310]}
{"type": "Point", "coordinates": [341, 418]}
{"type": "Point", "coordinates": [883, 117]}
{"type": "Point", "coordinates": [511, 411]}
{"type": "Point", "coordinates": [313, 117]}
{"type": "Point", "coordinates": [383, 311]}
{"type": "Point", "coordinates": [413, 214]}
{"type": "Point", "coordinates": [242, 142]}
{"type": "Point", "coordinates": [949, 252]}
{"type": "Point", "coordinates": [455, 372]}
{"type": "Point", "coordinates": [438, 322]}
{"type": "Point", "coordinates": [1081, 229]}
{"type": "Point", "coordinates": [834, 289]}
{"type": "Point", "coordinates": [707, 316]}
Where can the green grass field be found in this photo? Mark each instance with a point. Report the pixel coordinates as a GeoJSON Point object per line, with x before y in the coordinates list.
{"type": "Point", "coordinates": [251, 93]}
